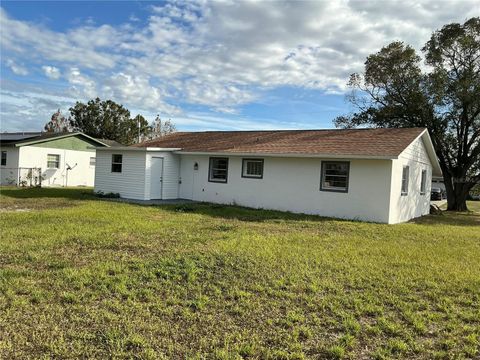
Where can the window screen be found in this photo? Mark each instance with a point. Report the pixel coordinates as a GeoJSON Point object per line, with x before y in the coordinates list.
{"type": "Point", "coordinates": [53, 161]}
{"type": "Point", "coordinates": [335, 176]}
{"type": "Point", "coordinates": [218, 171]}
{"type": "Point", "coordinates": [252, 168]}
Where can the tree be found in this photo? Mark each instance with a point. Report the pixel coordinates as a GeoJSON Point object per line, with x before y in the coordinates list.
{"type": "Point", "coordinates": [394, 91]}
{"type": "Point", "coordinates": [107, 120]}
{"type": "Point", "coordinates": [159, 129]}
{"type": "Point", "coordinates": [58, 123]}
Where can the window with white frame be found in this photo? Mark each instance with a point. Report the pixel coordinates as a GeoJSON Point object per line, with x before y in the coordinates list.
{"type": "Point", "coordinates": [4, 158]}
{"type": "Point", "coordinates": [423, 183]}
{"type": "Point", "coordinates": [405, 175]}
{"type": "Point", "coordinates": [92, 161]}
{"type": "Point", "coordinates": [117, 162]}
{"type": "Point", "coordinates": [53, 161]}
{"type": "Point", "coordinates": [218, 170]}
{"type": "Point", "coordinates": [252, 168]}
{"type": "Point", "coordinates": [335, 176]}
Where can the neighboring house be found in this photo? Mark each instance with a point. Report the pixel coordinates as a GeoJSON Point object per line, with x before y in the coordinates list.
{"type": "Point", "coordinates": [438, 182]}
{"type": "Point", "coordinates": [380, 175]}
{"type": "Point", "coordinates": [64, 159]}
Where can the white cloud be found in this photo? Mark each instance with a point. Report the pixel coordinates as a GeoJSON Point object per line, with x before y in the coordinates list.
{"type": "Point", "coordinates": [51, 72]}
{"type": "Point", "coordinates": [135, 89]}
{"type": "Point", "coordinates": [82, 85]}
{"type": "Point", "coordinates": [17, 69]}
{"type": "Point", "coordinates": [225, 54]}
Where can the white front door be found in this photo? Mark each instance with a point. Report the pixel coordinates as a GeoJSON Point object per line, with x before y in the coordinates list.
{"type": "Point", "coordinates": [156, 178]}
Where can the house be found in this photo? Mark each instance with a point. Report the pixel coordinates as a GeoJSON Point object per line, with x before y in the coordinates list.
{"type": "Point", "coordinates": [380, 175]}
{"type": "Point", "coordinates": [55, 159]}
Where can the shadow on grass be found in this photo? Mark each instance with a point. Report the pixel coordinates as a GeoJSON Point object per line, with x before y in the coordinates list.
{"type": "Point", "coordinates": [470, 218]}
{"type": "Point", "coordinates": [232, 212]}
{"type": "Point", "coordinates": [29, 193]}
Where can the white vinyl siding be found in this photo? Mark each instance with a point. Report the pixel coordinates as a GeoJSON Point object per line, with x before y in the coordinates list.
{"type": "Point", "coordinates": [130, 183]}
{"type": "Point", "coordinates": [171, 174]}
{"type": "Point", "coordinates": [415, 204]}
{"type": "Point", "coordinates": [135, 179]}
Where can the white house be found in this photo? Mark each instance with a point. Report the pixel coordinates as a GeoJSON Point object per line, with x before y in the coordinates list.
{"type": "Point", "coordinates": [380, 175]}
{"type": "Point", "coordinates": [63, 159]}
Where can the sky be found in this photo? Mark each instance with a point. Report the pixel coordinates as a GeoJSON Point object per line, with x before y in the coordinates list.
{"type": "Point", "coordinates": [242, 65]}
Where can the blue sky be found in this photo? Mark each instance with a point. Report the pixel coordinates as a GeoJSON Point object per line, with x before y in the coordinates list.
{"type": "Point", "coordinates": [207, 66]}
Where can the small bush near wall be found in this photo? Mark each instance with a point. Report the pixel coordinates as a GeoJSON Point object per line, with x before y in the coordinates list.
{"type": "Point", "coordinates": [109, 195]}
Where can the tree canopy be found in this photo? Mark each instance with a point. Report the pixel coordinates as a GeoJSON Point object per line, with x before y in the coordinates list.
{"type": "Point", "coordinates": [444, 96]}
{"type": "Point", "coordinates": [58, 123]}
{"type": "Point", "coordinates": [109, 120]}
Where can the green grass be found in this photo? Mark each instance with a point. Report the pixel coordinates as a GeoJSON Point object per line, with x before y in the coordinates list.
{"type": "Point", "coordinates": [82, 277]}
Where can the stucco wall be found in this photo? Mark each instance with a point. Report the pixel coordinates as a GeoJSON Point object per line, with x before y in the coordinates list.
{"type": "Point", "coordinates": [414, 204]}
{"type": "Point", "coordinates": [9, 172]}
{"type": "Point", "coordinates": [292, 184]}
{"type": "Point", "coordinates": [81, 175]}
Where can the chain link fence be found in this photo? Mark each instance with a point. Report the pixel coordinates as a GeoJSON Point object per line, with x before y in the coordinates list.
{"type": "Point", "coordinates": [23, 177]}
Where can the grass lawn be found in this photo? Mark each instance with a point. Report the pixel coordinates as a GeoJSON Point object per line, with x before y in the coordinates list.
{"type": "Point", "coordinates": [82, 277]}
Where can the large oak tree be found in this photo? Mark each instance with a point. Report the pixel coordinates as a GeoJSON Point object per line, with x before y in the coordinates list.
{"type": "Point", "coordinates": [444, 96]}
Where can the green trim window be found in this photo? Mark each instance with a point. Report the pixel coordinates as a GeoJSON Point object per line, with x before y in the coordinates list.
{"type": "Point", "coordinates": [252, 168]}
{"type": "Point", "coordinates": [423, 183]}
{"type": "Point", "coordinates": [335, 175]}
{"type": "Point", "coordinates": [4, 158]}
{"type": "Point", "coordinates": [117, 162]}
{"type": "Point", "coordinates": [218, 170]}
{"type": "Point", "coordinates": [405, 176]}
{"type": "Point", "coordinates": [53, 161]}
{"type": "Point", "coordinates": [92, 161]}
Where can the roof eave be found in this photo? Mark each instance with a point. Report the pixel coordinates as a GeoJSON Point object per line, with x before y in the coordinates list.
{"type": "Point", "coordinates": [133, 148]}
{"type": "Point", "coordinates": [290, 155]}
{"type": "Point", "coordinates": [39, 141]}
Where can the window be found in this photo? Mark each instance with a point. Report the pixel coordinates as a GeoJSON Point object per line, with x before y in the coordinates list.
{"type": "Point", "coordinates": [92, 161]}
{"type": "Point", "coordinates": [405, 173]}
{"type": "Point", "coordinates": [4, 158]}
{"type": "Point", "coordinates": [117, 163]}
{"type": "Point", "coordinates": [252, 168]}
{"type": "Point", "coordinates": [335, 176]}
{"type": "Point", "coordinates": [423, 182]}
{"type": "Point", "coordinates": [218, 170]}
{"type": "Point", "coordinates": [53, 161]}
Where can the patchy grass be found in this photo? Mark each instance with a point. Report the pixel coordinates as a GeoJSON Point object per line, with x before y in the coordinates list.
{"type": "Point", "coordinates": [82, 277]}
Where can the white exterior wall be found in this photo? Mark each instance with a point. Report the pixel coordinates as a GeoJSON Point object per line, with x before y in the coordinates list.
{"type": "Point", "coordinates": [293, 184]}
{"type": "Point", "coordinates": [9, 172]}
{"type": "Point", "coordinates": [81, 175]}
{"type": "Point", "coordinates": [171, 174]}
{"type": "Point", "coordinates": [412, 205]}
{"type": "Point", "coordinates": [130, 183]}
{"type": "Point", "coordinates": [134, 180]}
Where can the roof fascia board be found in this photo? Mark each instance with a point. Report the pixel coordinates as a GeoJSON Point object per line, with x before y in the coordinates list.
{"type": "Point", "coordinates": [131, 148]}
{"type": "Point", "coordinates": [293, 155]}
{"type": "Point", "coordinates": [427, 141]}
{"type": "Point", "coordinates": [59, 137]}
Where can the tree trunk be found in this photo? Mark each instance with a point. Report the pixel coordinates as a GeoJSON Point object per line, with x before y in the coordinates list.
{"type": "Point", "coordinates": [457, 193]}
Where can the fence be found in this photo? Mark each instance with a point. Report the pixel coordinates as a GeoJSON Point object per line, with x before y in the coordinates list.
{"type": "Point", "coordinates": [22, 176]}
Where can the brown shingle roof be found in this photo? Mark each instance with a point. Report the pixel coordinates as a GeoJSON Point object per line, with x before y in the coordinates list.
{"type": "Point", "coordinates": [358, 142]}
